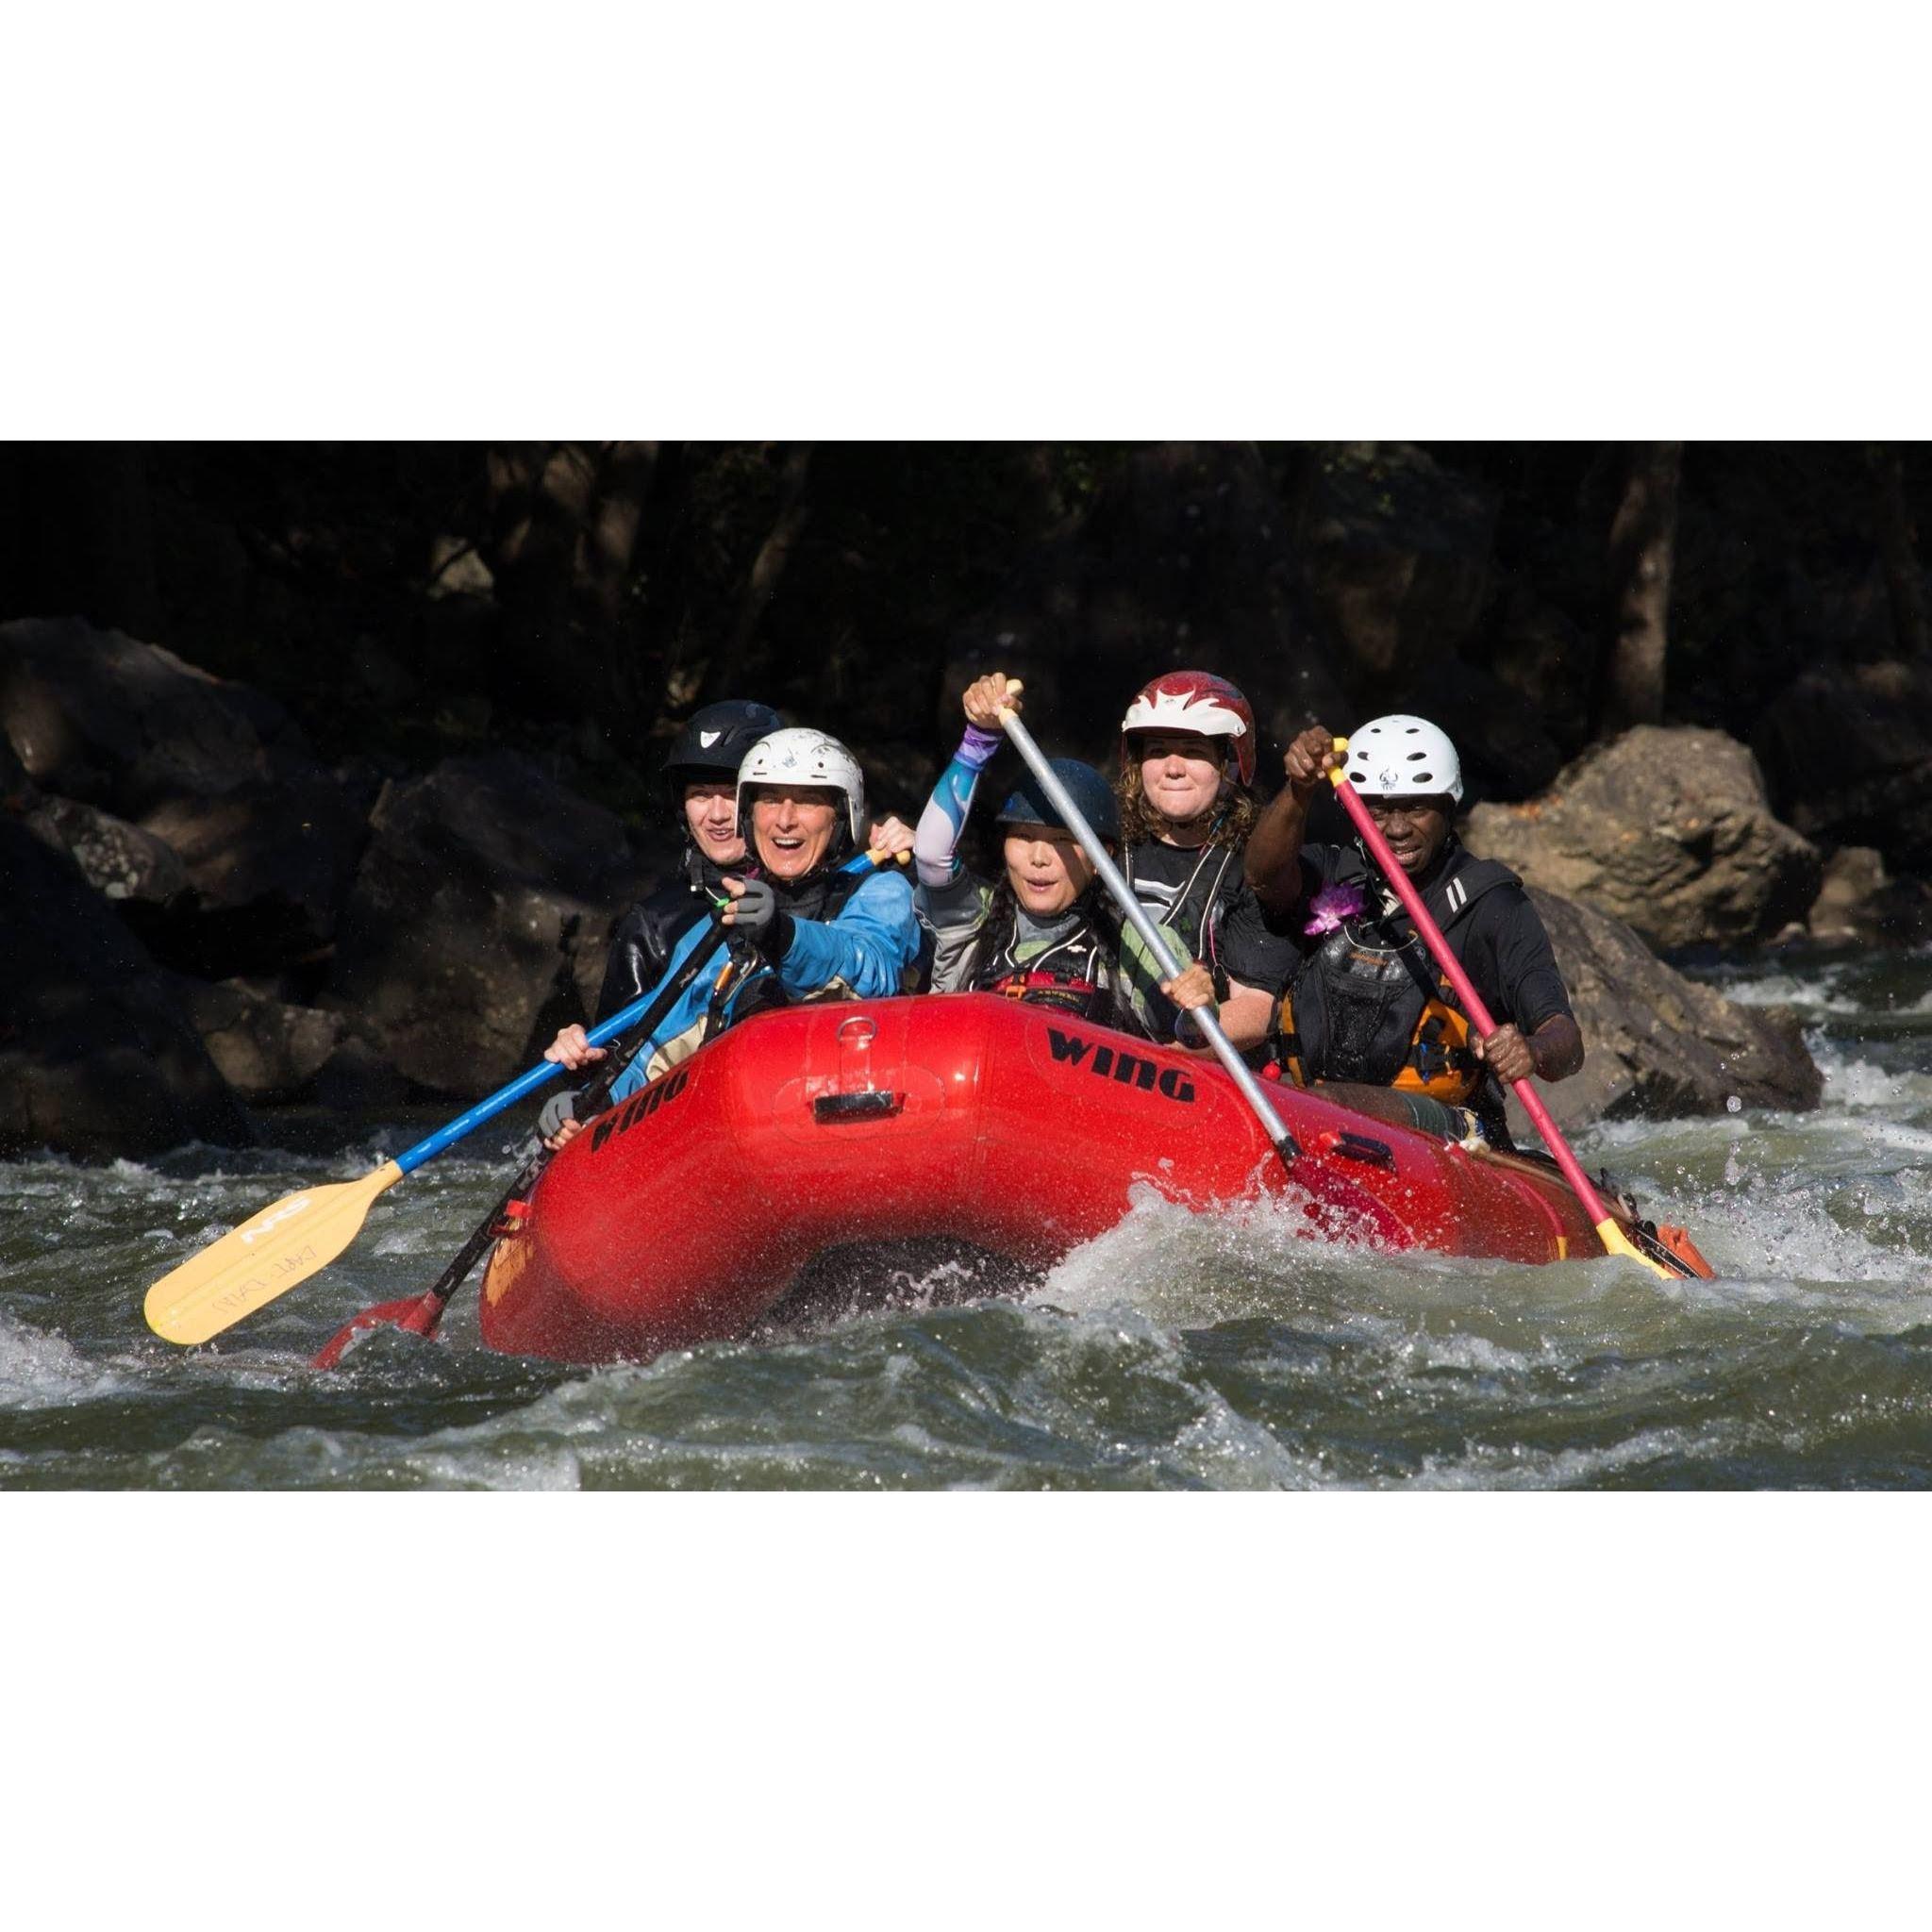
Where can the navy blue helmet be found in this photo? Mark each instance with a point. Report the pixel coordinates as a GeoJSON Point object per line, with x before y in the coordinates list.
{"type": "Point", "coordinates": [1028, 805]}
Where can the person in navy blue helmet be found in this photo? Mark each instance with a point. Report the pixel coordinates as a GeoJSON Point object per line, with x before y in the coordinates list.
{"type": "Point", "coordinates": [1046, 931]}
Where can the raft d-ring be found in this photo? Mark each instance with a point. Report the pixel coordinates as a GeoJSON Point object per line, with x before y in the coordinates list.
{"type": "Point", "coordinates": [856, 1037]}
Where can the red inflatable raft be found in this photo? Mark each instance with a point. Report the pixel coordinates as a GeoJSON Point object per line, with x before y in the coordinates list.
{"type": "Point", "coordinates": [686, 1212]}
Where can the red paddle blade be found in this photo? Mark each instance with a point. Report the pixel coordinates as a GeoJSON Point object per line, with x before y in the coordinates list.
{"type": "Point", "coordinates": [417, 1314]}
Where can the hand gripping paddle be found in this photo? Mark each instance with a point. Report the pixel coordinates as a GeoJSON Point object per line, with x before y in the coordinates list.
{"type": "Point", "coordinates": [1608, 1230]}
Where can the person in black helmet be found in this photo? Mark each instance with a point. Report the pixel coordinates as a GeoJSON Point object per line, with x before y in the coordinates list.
{"type": "Point", "coordinates": [1046, 932]}
{"type": "Point", "coordinates": [701, 775]}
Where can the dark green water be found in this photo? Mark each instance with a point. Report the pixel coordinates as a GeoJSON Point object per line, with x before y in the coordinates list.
{"type": "Point", "coordinates": [1175, 1351]}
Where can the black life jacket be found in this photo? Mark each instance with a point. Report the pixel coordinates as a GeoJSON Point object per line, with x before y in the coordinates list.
{"type": "Point", "coordinates": [647, 935]}
{"type": "Point", "coordinates": [1079, 974]}
{"type": "Point", "coordinates": [1370, 1005]}
{"type": "Point", "coordinates": [1191, 918]}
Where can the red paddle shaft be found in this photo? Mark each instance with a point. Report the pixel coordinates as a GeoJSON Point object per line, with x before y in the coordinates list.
{"type": "Point", "coordinates": [1472, 1000]}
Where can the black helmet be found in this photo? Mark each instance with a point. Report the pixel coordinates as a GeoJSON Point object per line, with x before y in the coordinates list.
{"type": "Point", "coordinates": [714, 741]}
{"type": "Point", "coordinates": [1028, 805]}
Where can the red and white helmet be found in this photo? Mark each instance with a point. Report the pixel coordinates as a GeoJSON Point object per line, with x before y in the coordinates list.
{"type": "Point", "coordinates": [1194, 701]}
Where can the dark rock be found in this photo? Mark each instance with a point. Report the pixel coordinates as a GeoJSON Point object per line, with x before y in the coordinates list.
{"type": "Point", "coordinates": [1847, 753]}
{"type": "Point", "coordinates": [1666, 828]}
{"type": "Point", "coordinates": [265, 1050]}
{"type": "Point", "coordinates": [356, 1079]}
{"type": "Point", "coordinates": [654, 861]}
{"type": "Point", "coordinates": [98, 1056]}
{"type": "Point", "coordinates": [17, 790]}
{"type": "Point", "coordinates": [117, 859]}
{"type": "Point", "coordinates": [97, 716]}
{"type": "Point", "coordinates": [482, 884]}
{"type": "Point", "coordinates": [1857, 903]}
{"type": "Point", "coordinates": [270, 867]}
{"type": "Point", "coordinates": [1656, 1043]}
{"type": "Point", "coordinates": [217, 770]}
{"type": "Point", "coordinates": [1853, 875]}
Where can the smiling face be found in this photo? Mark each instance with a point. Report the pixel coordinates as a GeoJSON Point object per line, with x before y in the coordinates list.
{"type": "Point", "coordinates": [710, 815]}
{"type": "Point", "coordinates": [1180, 772]}
{"type": "Point", "coordinates": [794, 825]}
{"type": "Point", "coordinates": [1046, 869]}
{"type": "Point", "coordinates": [1414, 827]}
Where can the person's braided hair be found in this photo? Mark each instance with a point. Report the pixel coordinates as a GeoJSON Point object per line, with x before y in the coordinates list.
{"type": "Point", "coordinates": [1095, 905]}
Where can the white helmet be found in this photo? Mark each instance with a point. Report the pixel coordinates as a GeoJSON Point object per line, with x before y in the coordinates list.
{"type": "Point", "coordinates": [1400, 757]}
{"type": "Point", "coordinates": [799, 756]}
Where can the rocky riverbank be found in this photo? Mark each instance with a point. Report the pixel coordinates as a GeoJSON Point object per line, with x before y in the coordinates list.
{"type": "Point", "coordinates": [205, 918]}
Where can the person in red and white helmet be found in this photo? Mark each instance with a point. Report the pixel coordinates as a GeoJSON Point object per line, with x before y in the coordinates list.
{"type": "Point", "coordinates": [1186, 764]}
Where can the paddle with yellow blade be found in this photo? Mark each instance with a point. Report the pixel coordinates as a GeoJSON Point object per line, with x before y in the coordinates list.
{"type": "Point", "coordinates": [420, 1314]}
{"type": "Point", "coordinates": [301, 1233]}
{"type": "Point", "coordinates": [1615, 1240]}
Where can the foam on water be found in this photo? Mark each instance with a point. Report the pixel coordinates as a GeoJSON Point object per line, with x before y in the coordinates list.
{"type": "Point", "coordinates": [1784, 990]}
{"type": "Point", "coordinates": [1177, 1350]}
{"type": "Point", "coordinates": [42, 1370]}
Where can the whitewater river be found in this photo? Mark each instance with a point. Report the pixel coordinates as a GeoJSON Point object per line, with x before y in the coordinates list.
{"type": "Point", "coordinates": [1174, 1352]}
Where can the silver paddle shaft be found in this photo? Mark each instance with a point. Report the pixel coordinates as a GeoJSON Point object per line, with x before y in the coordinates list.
{"type": "Point", "coordinates": [1204, 1017]}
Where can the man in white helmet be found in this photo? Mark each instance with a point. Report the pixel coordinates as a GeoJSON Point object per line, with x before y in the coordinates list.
{"type": "Point", "coordinates": [802, 926]}
{"type": "Point", "coordinates": [1366, 1004]}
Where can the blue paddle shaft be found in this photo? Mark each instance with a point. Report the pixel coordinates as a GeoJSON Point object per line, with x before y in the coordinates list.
{"type": "Point", "coordinates": [539, 1075]}
{"type": "Point", "coordinates": [523, 1084]}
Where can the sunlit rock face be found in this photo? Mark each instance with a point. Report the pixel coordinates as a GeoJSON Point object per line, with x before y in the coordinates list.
{"type": "Point", "coordinates": [1666, 828]}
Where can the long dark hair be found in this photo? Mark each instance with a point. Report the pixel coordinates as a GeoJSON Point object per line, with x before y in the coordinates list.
{"type": "Point", "coordinates": [1095, 905]}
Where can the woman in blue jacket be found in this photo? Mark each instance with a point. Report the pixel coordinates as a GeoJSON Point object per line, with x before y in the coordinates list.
{"type": "Point", "coordinates": [803, 929]}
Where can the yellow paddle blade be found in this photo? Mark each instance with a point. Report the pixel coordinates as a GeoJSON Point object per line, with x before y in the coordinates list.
{"type": "Point", "coordinates": [1617, 1242]}
{"type": "Point", "coordinates": [264, 1258]}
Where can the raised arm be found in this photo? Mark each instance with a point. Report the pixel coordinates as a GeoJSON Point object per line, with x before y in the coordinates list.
{"type": "Point", "coordinates": [1272, 862]}
{"type": "Point", "coordinates": [936, 847]}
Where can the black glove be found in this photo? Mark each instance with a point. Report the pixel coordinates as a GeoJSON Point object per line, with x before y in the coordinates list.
{"type": "Point", "coordinates": [758, 916]}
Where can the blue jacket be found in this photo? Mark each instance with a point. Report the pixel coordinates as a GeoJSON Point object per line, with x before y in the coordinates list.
{"type": "Point", "coordinates": [861, 953]}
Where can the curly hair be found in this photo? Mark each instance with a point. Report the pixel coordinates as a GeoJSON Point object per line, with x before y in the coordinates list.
{"type": "Point", "coordinates": [1141, 821]}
